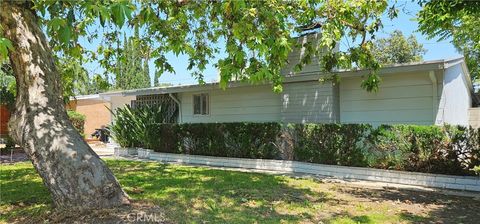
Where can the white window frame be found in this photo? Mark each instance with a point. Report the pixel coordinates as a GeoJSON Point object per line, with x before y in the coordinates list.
{"type": "Point", "coordinates": [207, 108]}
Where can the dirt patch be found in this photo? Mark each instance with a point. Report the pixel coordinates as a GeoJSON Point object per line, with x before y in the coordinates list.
{"type": "Point", "coordinates": [412, 205]}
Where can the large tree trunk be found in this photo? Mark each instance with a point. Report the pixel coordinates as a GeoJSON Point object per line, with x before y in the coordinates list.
{"type": "Point", "coordinates": [70, 169]}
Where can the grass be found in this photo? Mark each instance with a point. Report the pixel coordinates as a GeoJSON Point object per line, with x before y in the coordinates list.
{"type": "Point", "coordinates": [203, 195]}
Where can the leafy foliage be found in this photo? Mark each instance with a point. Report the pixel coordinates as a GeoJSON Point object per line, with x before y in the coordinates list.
{"type": "Point", "coordinates": [397, 49]}
{"type": "Point", "coordinates": [456, 19]}
{"type": "Point", "coordinates": [9, 144]}
{"type": "Point", "coordinates": [78, 120]}
{"type": "Point", "coordinates": [7, 97]}
{"type": "Point", "coordinates": [7, 86]}
{"type": "Point", "coordinates": [132, 126]}
{"type": "Point", "coordinates": [98, 84]}
{"type": "Point", "coordinates": [75, 80]}
{"type": "Point", "coordinates": [5, 46]}
{"type": "Point", "coordinates": [243, 140]}
{"type": "Point", "coordinates": [476, 169]}
{"type": "Point", "coordinates": [331, 144]}
{"type": "Point", "coordinates": [430, 149]}
{"type": "Point", "coordinates": [132, 64]}
{"type": "Point", "coordinates": [256, 36]}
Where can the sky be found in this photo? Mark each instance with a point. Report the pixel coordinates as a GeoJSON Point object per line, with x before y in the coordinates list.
{"type": "Point", "coordinates": [405, 22]}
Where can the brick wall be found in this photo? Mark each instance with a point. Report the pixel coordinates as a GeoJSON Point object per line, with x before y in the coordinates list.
{"type": "Point", "coordinates": [96, 114]}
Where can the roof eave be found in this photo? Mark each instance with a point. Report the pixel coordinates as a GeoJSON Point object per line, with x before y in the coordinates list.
{"type": "Point", "coordinates": [312, 76]}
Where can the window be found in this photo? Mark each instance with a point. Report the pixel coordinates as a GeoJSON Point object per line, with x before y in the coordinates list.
{"type": "Point", "coordinates": [200, 104]}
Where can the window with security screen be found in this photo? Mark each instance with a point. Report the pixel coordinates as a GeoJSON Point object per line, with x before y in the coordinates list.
{"type": "Point", "coordinates": [200, 104]}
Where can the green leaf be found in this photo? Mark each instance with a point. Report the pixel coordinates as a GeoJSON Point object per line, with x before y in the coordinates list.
{"type": "Point", "coordinates": [65, 34]}
{"type": "Point", "coordinates": [56, 23]}
{"type": "Point", "coordinates": [121, 11]}
{"type": "Point", "coordinates": [118, 15]}
{"type": "Point", "coordinates": [5, 45]}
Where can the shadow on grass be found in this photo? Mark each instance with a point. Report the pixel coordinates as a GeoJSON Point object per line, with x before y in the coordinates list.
{"type": "Point", "coordinates": [21, 185]}
{"type": "Point", "coordinates": [190, 194]}
{"type": "Point", "coordinates": [23, 196]}
{"type": "Point", "coordinates": [196, 194]}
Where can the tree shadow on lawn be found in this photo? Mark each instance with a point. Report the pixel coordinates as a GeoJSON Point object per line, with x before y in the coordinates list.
{"type": "Point", "coordinates": [190, 194]}
{"type": "Point", "coordinates": [443, 208]}
{"type": "Point", "coordinates": [22, 193]}
{"type": "Point", "coordinates": [197, 194]}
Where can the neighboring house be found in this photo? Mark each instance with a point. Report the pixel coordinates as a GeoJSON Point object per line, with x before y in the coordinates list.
{"type": "Point", "coordinates": [95, 110]}
{"type": "Point", "coordinates": [425, 93]}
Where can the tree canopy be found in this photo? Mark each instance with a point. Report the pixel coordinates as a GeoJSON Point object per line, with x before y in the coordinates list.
{"type": "Point", "coordinates": [256, 35]}
{"type": "Point", "coordinates": [132, 70]}
{"type": "Point", "coordinates": [397, 49]}
{"type": "Point", "coordinates": [456, 19]}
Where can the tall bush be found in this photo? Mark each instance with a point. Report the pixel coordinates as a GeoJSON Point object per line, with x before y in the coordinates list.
{"type": "Point", "coordinates": [464, 146]}
{"type": "Point", "coordinates": [78, 121]}
{"type": "Point", "coordinates": [135, 127]}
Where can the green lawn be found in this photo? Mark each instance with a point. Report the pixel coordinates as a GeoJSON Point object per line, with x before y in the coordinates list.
{"type": "Point", "coordinates": [202, 195]}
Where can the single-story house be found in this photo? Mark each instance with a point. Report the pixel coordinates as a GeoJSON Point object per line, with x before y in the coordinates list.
{"type": "Point", "coordinates": [425, 93]}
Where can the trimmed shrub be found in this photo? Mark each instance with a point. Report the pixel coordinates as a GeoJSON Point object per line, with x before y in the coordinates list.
{"type": "Point", "coordinates": [430, 149]}
{"type": "Point", "coordinates": [386, 148]}
{"type": "Point", "coordinates": [333, 144]}
{"type": "Point", "coordinates": [78, 121]}
{"type": "Point", "coordinates": [242, 140]}
{"type": "Point", "coordinates": [251, 140]}
{"type": "Point", "coordinates": [163, 138]}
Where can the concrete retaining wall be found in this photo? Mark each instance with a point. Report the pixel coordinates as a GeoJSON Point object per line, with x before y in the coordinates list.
{"type": "Point", "coordinates": [343, 172]}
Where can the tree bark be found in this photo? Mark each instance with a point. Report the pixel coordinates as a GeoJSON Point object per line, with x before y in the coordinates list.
{"type": "Point", "coordinates": [70, 169]}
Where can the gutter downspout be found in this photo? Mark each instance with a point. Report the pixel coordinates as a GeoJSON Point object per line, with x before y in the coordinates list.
{"type": "Point", "coordinates": [179, 107]}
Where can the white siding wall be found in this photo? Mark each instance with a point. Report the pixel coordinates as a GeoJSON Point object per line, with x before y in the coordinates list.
{"type": "Point", "coordinates": [403, 98]}
{"type": "Point", "coordinates": [121, 101]}
{"type": "Point", "coordinates": [298, 53]}
{"type": "Point", "coordinates": [309, 102]}
{"type": "Point", "coordinates": [241, 104]}
{"type": "Point", "coordinates": [455, 99]}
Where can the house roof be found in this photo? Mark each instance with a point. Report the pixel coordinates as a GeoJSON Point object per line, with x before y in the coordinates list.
{"type": "Point", "coordinates": [301, 77]}
{"type": "Point", "coordinates": [86, 97]}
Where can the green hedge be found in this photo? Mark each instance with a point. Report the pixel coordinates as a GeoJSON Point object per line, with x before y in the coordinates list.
{"type": "Point", "coordinates": [78, 121]}
{"type": "Point", "coordinates": [430, 149]}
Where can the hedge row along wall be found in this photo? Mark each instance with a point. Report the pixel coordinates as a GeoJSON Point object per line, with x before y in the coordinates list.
{"type": "Point", "coordinates": [430, 149]}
